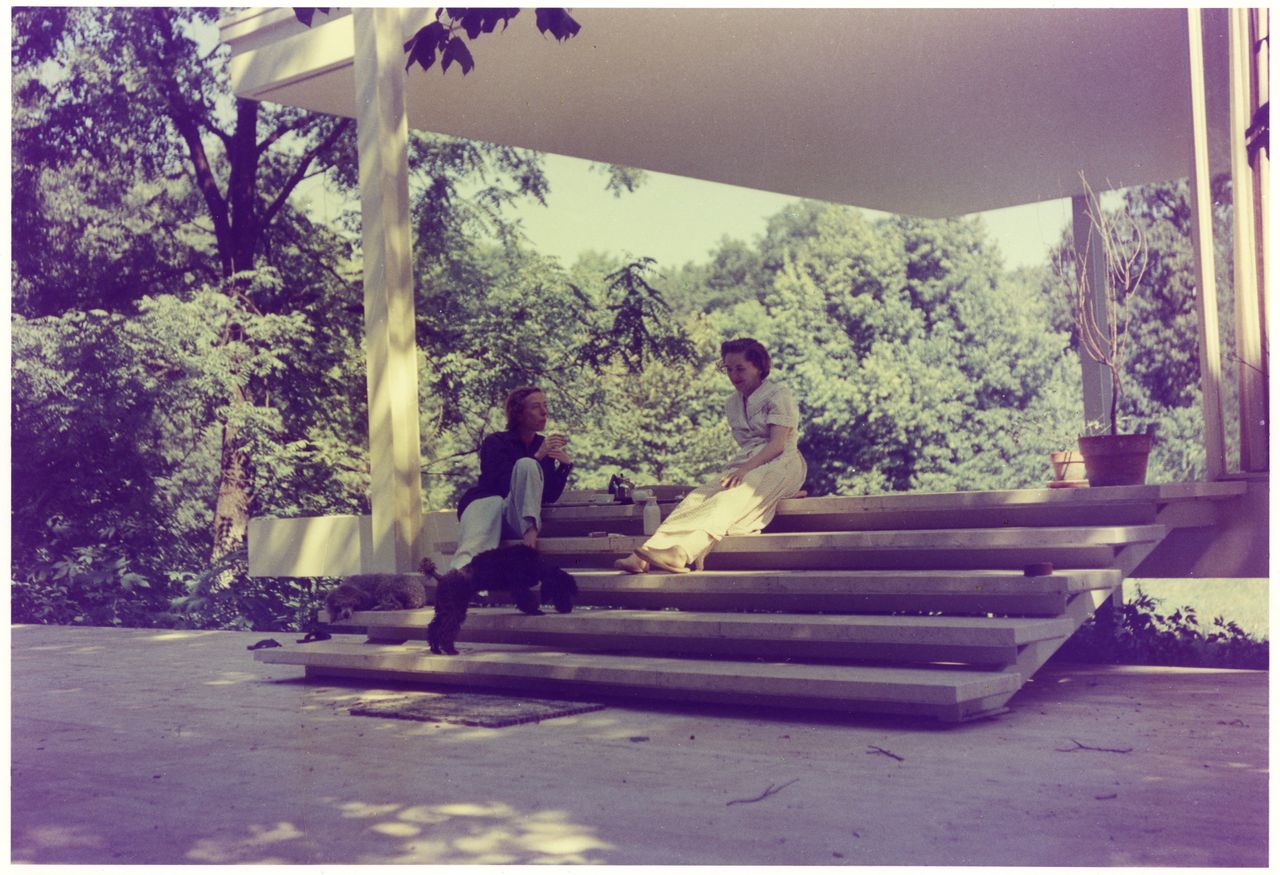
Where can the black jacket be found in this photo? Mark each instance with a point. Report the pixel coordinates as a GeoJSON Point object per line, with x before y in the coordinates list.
{"type": "Point", "coordinates": [499, 453]}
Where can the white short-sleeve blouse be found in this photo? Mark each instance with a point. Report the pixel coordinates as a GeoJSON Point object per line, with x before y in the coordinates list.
{"type": "Point", "coordinates": [749, 418]}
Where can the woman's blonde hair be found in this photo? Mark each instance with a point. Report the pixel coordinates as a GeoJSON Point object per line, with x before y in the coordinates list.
{"type": "Point", "coordinates": [515, 405]}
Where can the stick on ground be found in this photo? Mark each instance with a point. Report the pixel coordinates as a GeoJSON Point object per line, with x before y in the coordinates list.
{"type": "Point", "coordinates": [765, 795]}
{"type": "Point", "coordinates": [1079, 746]}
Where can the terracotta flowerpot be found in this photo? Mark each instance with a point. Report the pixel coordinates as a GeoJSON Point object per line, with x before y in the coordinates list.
{"type": "Point", "coordinates": [1067, 465]}
{"type": "Point", "coordinates": [1115, 459]}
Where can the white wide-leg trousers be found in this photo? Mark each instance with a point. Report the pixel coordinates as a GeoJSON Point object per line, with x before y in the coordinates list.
{"type": "Point", "coordinates": [487, 520]}
{"type": "Point", "coordinates": [709, 513]}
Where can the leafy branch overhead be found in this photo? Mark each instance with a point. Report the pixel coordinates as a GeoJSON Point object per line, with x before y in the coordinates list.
{"type": "Point", "coordinates": [630, 337]}
{"type": "Point", "coordinates": [442, 36]}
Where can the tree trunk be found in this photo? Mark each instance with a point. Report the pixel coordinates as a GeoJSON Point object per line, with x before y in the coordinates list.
{"type": "Point", "coordinates": [234, 504]}
{"type": "Point", "coordinates": [239, 223]}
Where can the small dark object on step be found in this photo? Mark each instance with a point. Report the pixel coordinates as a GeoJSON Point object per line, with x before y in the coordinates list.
{"type": "Point", "coordinates": [265, 642]}
{"type": "Point", "coordinates": [1038, 569]}
{"type": "Point", "coordinates": [314, 636]}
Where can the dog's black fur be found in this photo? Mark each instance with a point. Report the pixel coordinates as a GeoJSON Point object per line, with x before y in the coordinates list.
{"type": "Point", "coordinates": [515, 569]}
{"type": "Point", "coordinates": [375, 592]}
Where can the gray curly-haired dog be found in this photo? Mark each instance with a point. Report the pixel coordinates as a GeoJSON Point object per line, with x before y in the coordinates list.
{"type": "Point", "coordinates": [515, 569]}
{"type": "Point", "coordinates": [375, 592]}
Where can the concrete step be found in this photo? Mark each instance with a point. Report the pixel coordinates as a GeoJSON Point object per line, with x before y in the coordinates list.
{"type": "Point", "coordinates": [1181, 504]}
{"type": "Point", "coordinates": [846, 592]}
{"type": "Point", "coordinates": [839, 591]}
{"type": "Point", "coordinates": [986, 641]}
{"type": "Point", "coordinates": [950, 549]}
{"type": "Point", "coordinates": [948, 694]}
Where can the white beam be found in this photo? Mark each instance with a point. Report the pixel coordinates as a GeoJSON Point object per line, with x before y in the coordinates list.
{"type": "Point", "coordinates": [1202, 246]}
{"type": "Point", "coordinates": [392, 359]}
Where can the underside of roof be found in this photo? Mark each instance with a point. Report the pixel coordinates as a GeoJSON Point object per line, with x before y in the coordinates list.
{"type": "Point", "coordinates": [933, 113]}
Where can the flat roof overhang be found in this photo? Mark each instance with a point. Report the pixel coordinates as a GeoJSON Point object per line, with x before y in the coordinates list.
{"type": "Point", "coordinates": [931, 113]}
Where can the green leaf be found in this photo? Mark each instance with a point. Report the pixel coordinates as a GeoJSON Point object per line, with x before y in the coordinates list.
{"type": "Point", "coordinates": [424, 44]}
{"type": "Point", "coordinates": [306, 13]}
{"type": "Point", "coordinates": [478, 21]}
{"type": "Point", "coordinates": [457, 50]}
{"type": "Point", "coordinates": [558, 22]}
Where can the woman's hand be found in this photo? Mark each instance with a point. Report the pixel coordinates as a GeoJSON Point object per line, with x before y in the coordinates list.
{"type": "Point", "coordinates": [553, 447]}
{"type": "Point", "coordinates": [731, 480]}
{"type": "Point", "coordinates": [778, 437]}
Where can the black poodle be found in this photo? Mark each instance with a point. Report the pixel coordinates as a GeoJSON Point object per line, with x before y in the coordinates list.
{"type": "Point", "coordinates": [516, 569]}
{"type": "Point", "coordinates": [375, 592]}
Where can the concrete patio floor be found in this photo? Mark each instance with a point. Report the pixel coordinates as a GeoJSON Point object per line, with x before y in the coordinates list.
{"type": "Point", "coordinates": [134, 746]}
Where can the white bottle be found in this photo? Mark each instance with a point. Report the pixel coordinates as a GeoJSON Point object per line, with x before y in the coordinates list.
{"type": "Point", "coordinates": [652, 516]}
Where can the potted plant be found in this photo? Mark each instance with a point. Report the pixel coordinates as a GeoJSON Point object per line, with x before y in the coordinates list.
{"type": "Point", "coordinates": [1052, 431]}
{"type": "Point", "coordinates": [1110, 458]}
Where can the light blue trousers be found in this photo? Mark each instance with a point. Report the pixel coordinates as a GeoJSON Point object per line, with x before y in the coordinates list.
{"type": "Point", "coordinates": [486, 521]}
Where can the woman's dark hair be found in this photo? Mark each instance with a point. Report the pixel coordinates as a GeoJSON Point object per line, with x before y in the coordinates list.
{"type": "Point", "coordinates": [750, 349]}
{"type": "Point", "coordinates": [515, 405]}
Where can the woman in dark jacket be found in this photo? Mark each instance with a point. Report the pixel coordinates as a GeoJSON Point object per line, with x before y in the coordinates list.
{"type": "Point", "coordinates": [520, 471]}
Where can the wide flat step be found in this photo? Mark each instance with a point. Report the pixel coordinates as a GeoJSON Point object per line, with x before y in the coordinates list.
{"type": "Point", "coordinates": [944, 693]}
{"type": "Point", "coordinates": [1004, 548]}
{"type": "Point", "coordinates": [989, 641]}
{"type": "Point", "coordinates": [839, 590]}
{"type": "Point", "coordinates": [1110, 505]}
{"type": "Point", "coordinates": [849, 581]}
{"type": "Point", "coordinates": [1094, 496]}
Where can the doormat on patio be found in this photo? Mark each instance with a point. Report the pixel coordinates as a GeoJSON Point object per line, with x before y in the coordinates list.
{"type": "Point", "coordinates": [470, 709]}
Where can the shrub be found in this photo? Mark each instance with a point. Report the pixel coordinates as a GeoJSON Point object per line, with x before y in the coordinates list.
{"type": "Point", "coordinates": [1144, 637]}
{"type": "Point", "coordinates": [90, 585]}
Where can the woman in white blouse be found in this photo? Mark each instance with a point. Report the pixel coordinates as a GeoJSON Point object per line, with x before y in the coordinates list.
{"type": "Point", "coordinates": [742, 498]}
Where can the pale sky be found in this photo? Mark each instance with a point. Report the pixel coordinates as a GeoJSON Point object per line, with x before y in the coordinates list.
{"type": "Point", "coordinates": [675, 220]}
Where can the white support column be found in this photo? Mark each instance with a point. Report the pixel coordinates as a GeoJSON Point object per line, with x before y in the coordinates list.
{"type": "Point", "coordinates": [392, 366]}
{"type": "Point", "coordinates": [1260, 44]}
{"type": "Point", "coordinates": [1252, 364]}
{"type": "Point", "coordinates": [1095, 376]}
{"type": "Point", "coordinates": [1215, 462]}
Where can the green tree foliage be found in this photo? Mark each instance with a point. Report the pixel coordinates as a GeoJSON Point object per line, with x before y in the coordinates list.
{"type": "Point", "coordinates": [132, 89]}
{"type": "Point", "coordinates": [662, 424]}
{"type": "Point", "coordinates": [138, 176]}
{"type": "Point", "coordinates": [627, 336]}
{"type": "Point", "coordinates": [910, 353]}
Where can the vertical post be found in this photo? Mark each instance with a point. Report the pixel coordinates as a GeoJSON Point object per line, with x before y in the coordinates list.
{"type": "Point", "coordinates": [1260, 45]}
{"type": "Point", "coordinates": [392, 368]}
{"type": "Point", "coordinates": [1095, 376]}
{"type": "Point", "coordinates": [1215, 462]}
{"type": "Point", "coordinates": [1252, 364]}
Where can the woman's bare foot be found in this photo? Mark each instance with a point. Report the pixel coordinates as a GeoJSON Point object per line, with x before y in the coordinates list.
{"type": "Point", "coordinates": [672, 559]}
{"type": "Point", "coordinates": [632, 564]}
{"type": "Point", "coordinates": [531, 537]}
